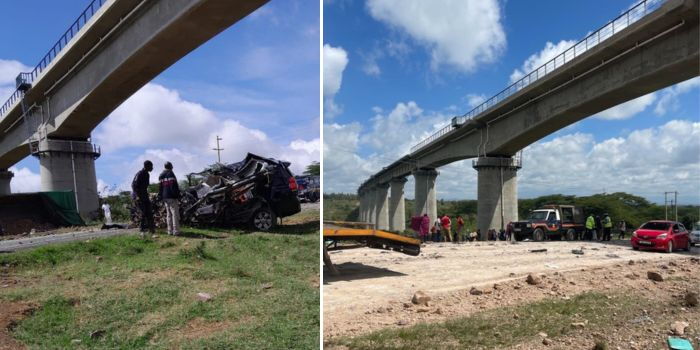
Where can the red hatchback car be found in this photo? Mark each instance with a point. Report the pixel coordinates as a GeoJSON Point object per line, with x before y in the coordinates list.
{"type": "Point", "coordinates": [661, 235]}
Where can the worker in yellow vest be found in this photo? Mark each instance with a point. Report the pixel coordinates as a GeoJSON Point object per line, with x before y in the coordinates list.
{"type": "Point", "coordinates": [607, 227]}
{"type": "Point", "coordinates": [590, 226]}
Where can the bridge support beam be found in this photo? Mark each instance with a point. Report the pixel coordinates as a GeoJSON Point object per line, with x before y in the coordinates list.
{"type": "Point", "coordinates": [361, 206]}
{"type": "Point", "coordinates": [382, 206]}
{"type": "Point", "coordinates": [497, 192]}
{"type": "Point", "coordinates": [5, 177]}
{"type": "Point", "coordinates": [70, 166]}
{"type": "Point", "coordinates": [426, 202]}
{"type": "Point", "coordinates": [397, 207]}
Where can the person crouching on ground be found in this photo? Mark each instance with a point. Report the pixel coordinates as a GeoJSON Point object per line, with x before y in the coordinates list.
{"type": "Point", "coordinates": [169, 192]}
{"type": "Point", "coordinates": [139, 193]}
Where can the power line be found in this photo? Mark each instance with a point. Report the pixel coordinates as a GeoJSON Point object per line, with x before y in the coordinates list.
{"type": "Point", "coordinates": [218, 149]}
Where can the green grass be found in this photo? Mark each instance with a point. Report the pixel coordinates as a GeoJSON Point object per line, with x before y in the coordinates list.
{"type": "Point", "coordinates": [143, 293]}
{"type": "Point", "coordinates": [479, 331]}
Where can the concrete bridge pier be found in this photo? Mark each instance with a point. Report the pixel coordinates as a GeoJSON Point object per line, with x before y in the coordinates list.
{"type": "Point", "coordinates": [5, 177]}
{"type": "Point", "coordinates": [371, 206]}
{"type": "Point", "coordinates": [497, 192]}
{"type": "Point", "coordinates": [363, 207]}
{"type": "Point", "coordinates": [69, 165]}
{"type": "Point", "coordinates": [397, 207]}
{"type": "Point", "coordinates": [382, 206]}
{"type": "Point", "coordinates": [425, 193]}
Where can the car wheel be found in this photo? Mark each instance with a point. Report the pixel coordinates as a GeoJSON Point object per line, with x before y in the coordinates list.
{"type": "Point", "coordinates": [263, 219]}
{"type": "Point", "coordinates": [538, 235]}
{"type": "Point", "coordinates": [635, 248]}
{"type": "Point", "coordinates": [570, 234]}
{"type": "Point", "coordinates": [669, 248]}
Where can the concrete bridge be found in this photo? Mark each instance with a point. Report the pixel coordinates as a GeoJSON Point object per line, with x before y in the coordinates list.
{"type": "Point", "coordinates": [113, 49]}
{"type": "Point", "coordinates": [651, 46]}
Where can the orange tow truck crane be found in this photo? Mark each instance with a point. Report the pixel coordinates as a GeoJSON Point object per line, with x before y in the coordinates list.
{"type": "Point", "coordinates": [363, 235]}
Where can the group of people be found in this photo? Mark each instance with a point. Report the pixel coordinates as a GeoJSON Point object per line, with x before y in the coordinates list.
{"type": "Point", "coordinates": [168, 192]}
{"type": "Point", "coordinates": [600, 229]}
{"type": "Point", "coordinates": [441, 230]}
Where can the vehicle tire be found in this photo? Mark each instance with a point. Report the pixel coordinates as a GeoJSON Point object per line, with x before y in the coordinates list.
{"type": "Point", "coordinates": [570, 234]}
{"type": "Point", "coordinates": [538, 235]}
{"type": "Point", "coordinates": [669, 248]}
{"type": "Point", "coordinates": [263, 219]}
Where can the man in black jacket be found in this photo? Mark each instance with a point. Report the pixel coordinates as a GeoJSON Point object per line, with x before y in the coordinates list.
{"type": "Point", "coordinates": [139, 192]}
{"type": "Point", "coordinates": [169, 191]}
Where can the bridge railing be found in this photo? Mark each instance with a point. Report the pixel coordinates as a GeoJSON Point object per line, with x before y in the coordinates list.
{"type": "Point", "coordinates": [62, 42]}
{"type": "Point", "coordinates": [621, 22]}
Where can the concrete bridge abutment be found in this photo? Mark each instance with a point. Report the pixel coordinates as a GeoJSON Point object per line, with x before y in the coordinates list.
{"type": "Point", "coordinates": [68, 165]}
{"type": "Point", "coordinates": [5, 177]}
{"type": "Point", "coordinates": [397, 207]}
{"type": "Point", "coordinates": [497, 192]}
{"type": "Point", "coordinates": [426, 202]}
{"type": "Point", "coordinates": [382, 206]}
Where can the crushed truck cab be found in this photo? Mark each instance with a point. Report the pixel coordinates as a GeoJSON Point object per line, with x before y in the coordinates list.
{"type": "Point", "coordinates": [550, 222]}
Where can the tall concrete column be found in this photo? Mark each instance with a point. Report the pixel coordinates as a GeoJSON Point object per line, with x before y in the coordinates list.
{"type": "Point", "coordinates": [425, 193]}
{"type": "Point", "coordinates": [397, 208]}
{"type": "Point", "coordinates": [5, 177]}
{"type": "Point", "coordinates": [363, 207]}
{"type": "Point", "coordinates": [497, 192]}
{"type": "Point", "coordinates": [382, 203]}
{"type": "Point", "coordinates": [372, 206]}
{"type": "Point", "coordinates": [70, 166]}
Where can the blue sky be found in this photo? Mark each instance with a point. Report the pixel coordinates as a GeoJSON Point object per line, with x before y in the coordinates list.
{"type": "Point", "coordinates": [256, 84]}
{"type": "Point", "coordinates": [413, 66]}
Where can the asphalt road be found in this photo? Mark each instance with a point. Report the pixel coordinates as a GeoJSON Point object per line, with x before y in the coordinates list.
{"type": "Point", "coordinates": [33, 242]}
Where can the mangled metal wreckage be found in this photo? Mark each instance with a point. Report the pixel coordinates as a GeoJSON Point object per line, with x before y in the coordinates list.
{"type": "Point", "coordinates": [254, 192]}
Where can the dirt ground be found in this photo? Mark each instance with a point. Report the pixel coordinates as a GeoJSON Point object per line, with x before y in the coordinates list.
{"type": "Point", "coordinates": [375, 286]}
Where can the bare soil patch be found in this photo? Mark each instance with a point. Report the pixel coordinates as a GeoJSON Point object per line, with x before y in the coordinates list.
{"type": "Point", "coordinates": [375, 287]}
{"type": "Point", "coordinates": [12, 312]}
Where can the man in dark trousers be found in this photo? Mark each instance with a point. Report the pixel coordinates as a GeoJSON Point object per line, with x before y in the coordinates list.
{"type": "Point", "coordinates": [169, 192]}
{"type": "Point", "coordinates": [139, 192]}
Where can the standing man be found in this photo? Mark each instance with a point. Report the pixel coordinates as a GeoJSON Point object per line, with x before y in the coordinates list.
{"type": "Point", "coordinates": [607, 227]}
{"type": "Point", "coordinates": [623, 228]}
{"type": "Point", "coordinates": [139, 193]}
{"type": "Point", "coordinates": [460, 227]}
{"type": "Point", "coordinates": [590, 226]}
{"type": "Point", "coordinates": [169, 191]}
{"type": "Point", "coordinates": [447, 227]}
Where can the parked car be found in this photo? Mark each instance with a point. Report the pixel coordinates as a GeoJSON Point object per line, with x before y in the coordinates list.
{"type": "Point", "coordinates": [661, 235]}
{"type": "Point", "coordinates": [550, 222]}
{"type": "Point", "coordinates": [695, 234]}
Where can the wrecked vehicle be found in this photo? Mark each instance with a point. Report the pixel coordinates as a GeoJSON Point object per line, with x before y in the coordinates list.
{"type": "Point", "coordinates": [254, 192]}
{"type": "Point", "coordinates": [309, 188]}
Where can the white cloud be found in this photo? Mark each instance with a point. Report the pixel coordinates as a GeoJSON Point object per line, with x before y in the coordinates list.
{"type": "Point", "coordinates": [335, 59]}
{"type": "Point", "coordinates": [669, 96]}
{"type": "Point", "coordinates": [474, 100]}
{"type": "Point", "coordinates": [628, 109]}
{"type": "Point", "coordinates": [171, 129]}
{"type": "Point", "coordinates": [24, 180]}
{"type": "Point", "coordinates": [9, 70]}
{"type": "Point", "coordinates": [535, 61]}
{"type": "Point", "coordinates": [459, 34]}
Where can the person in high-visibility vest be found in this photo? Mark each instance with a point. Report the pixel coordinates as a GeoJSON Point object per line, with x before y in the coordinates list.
{"type": "Point", "coordinates": [590, 226]}
{"type": "Point", "coordinates": [607, 227]}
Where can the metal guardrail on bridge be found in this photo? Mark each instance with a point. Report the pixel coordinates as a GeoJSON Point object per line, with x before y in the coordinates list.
{"type": "Point", "coordinates": [621, 22]}
{"type": "Point", "coordinates": [30, 77]}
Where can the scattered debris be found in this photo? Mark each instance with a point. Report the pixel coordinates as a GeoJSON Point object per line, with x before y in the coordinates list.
{"type": "Point", "coordinates": [421, 298]}
{"type": "Point", "coordinates": [613, 256]}
{"type": "Point", "coordinates": [402, 322]}
{"type": "Point", "coordinates": [538, 250]}
{"type": "Point", "coordinates": [678, 327]}
{"type": "Point", "coordinates": [547, 341]}
{"type": "Point", "coordinates": [97, 334]}
{"type": "Point", "coordinates": [204, 297]}
{"type": "Point", "coordinates": [631, 262]}
{"type": "Point", "coordinates": [267, 285]}
{"type": "Point", "coordinates": [655, 276]}
{"type": "Point", "coordinates": [691, 298]}
{"type": "Point", "coordinates": [675, 343]}
{"type": "Point", "coordinates": [533, 280]}
{"type": "Point", "coordinates": [577, 251]}
{"type": "Point", "coordinates": [476, 291]}
{"type": "Point", "coordinates": [578, 324]}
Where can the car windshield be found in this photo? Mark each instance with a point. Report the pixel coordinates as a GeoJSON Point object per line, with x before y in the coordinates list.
{"type": "Point", "coordinates": [538, 215]}
{"type": "Point", "coordinates": [658, 226]}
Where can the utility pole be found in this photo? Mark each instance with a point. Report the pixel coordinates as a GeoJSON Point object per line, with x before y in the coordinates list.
{"type": "Point", "coordinates": [673, 202]}
{"type": "Point", "coordinates": [218, 149]}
